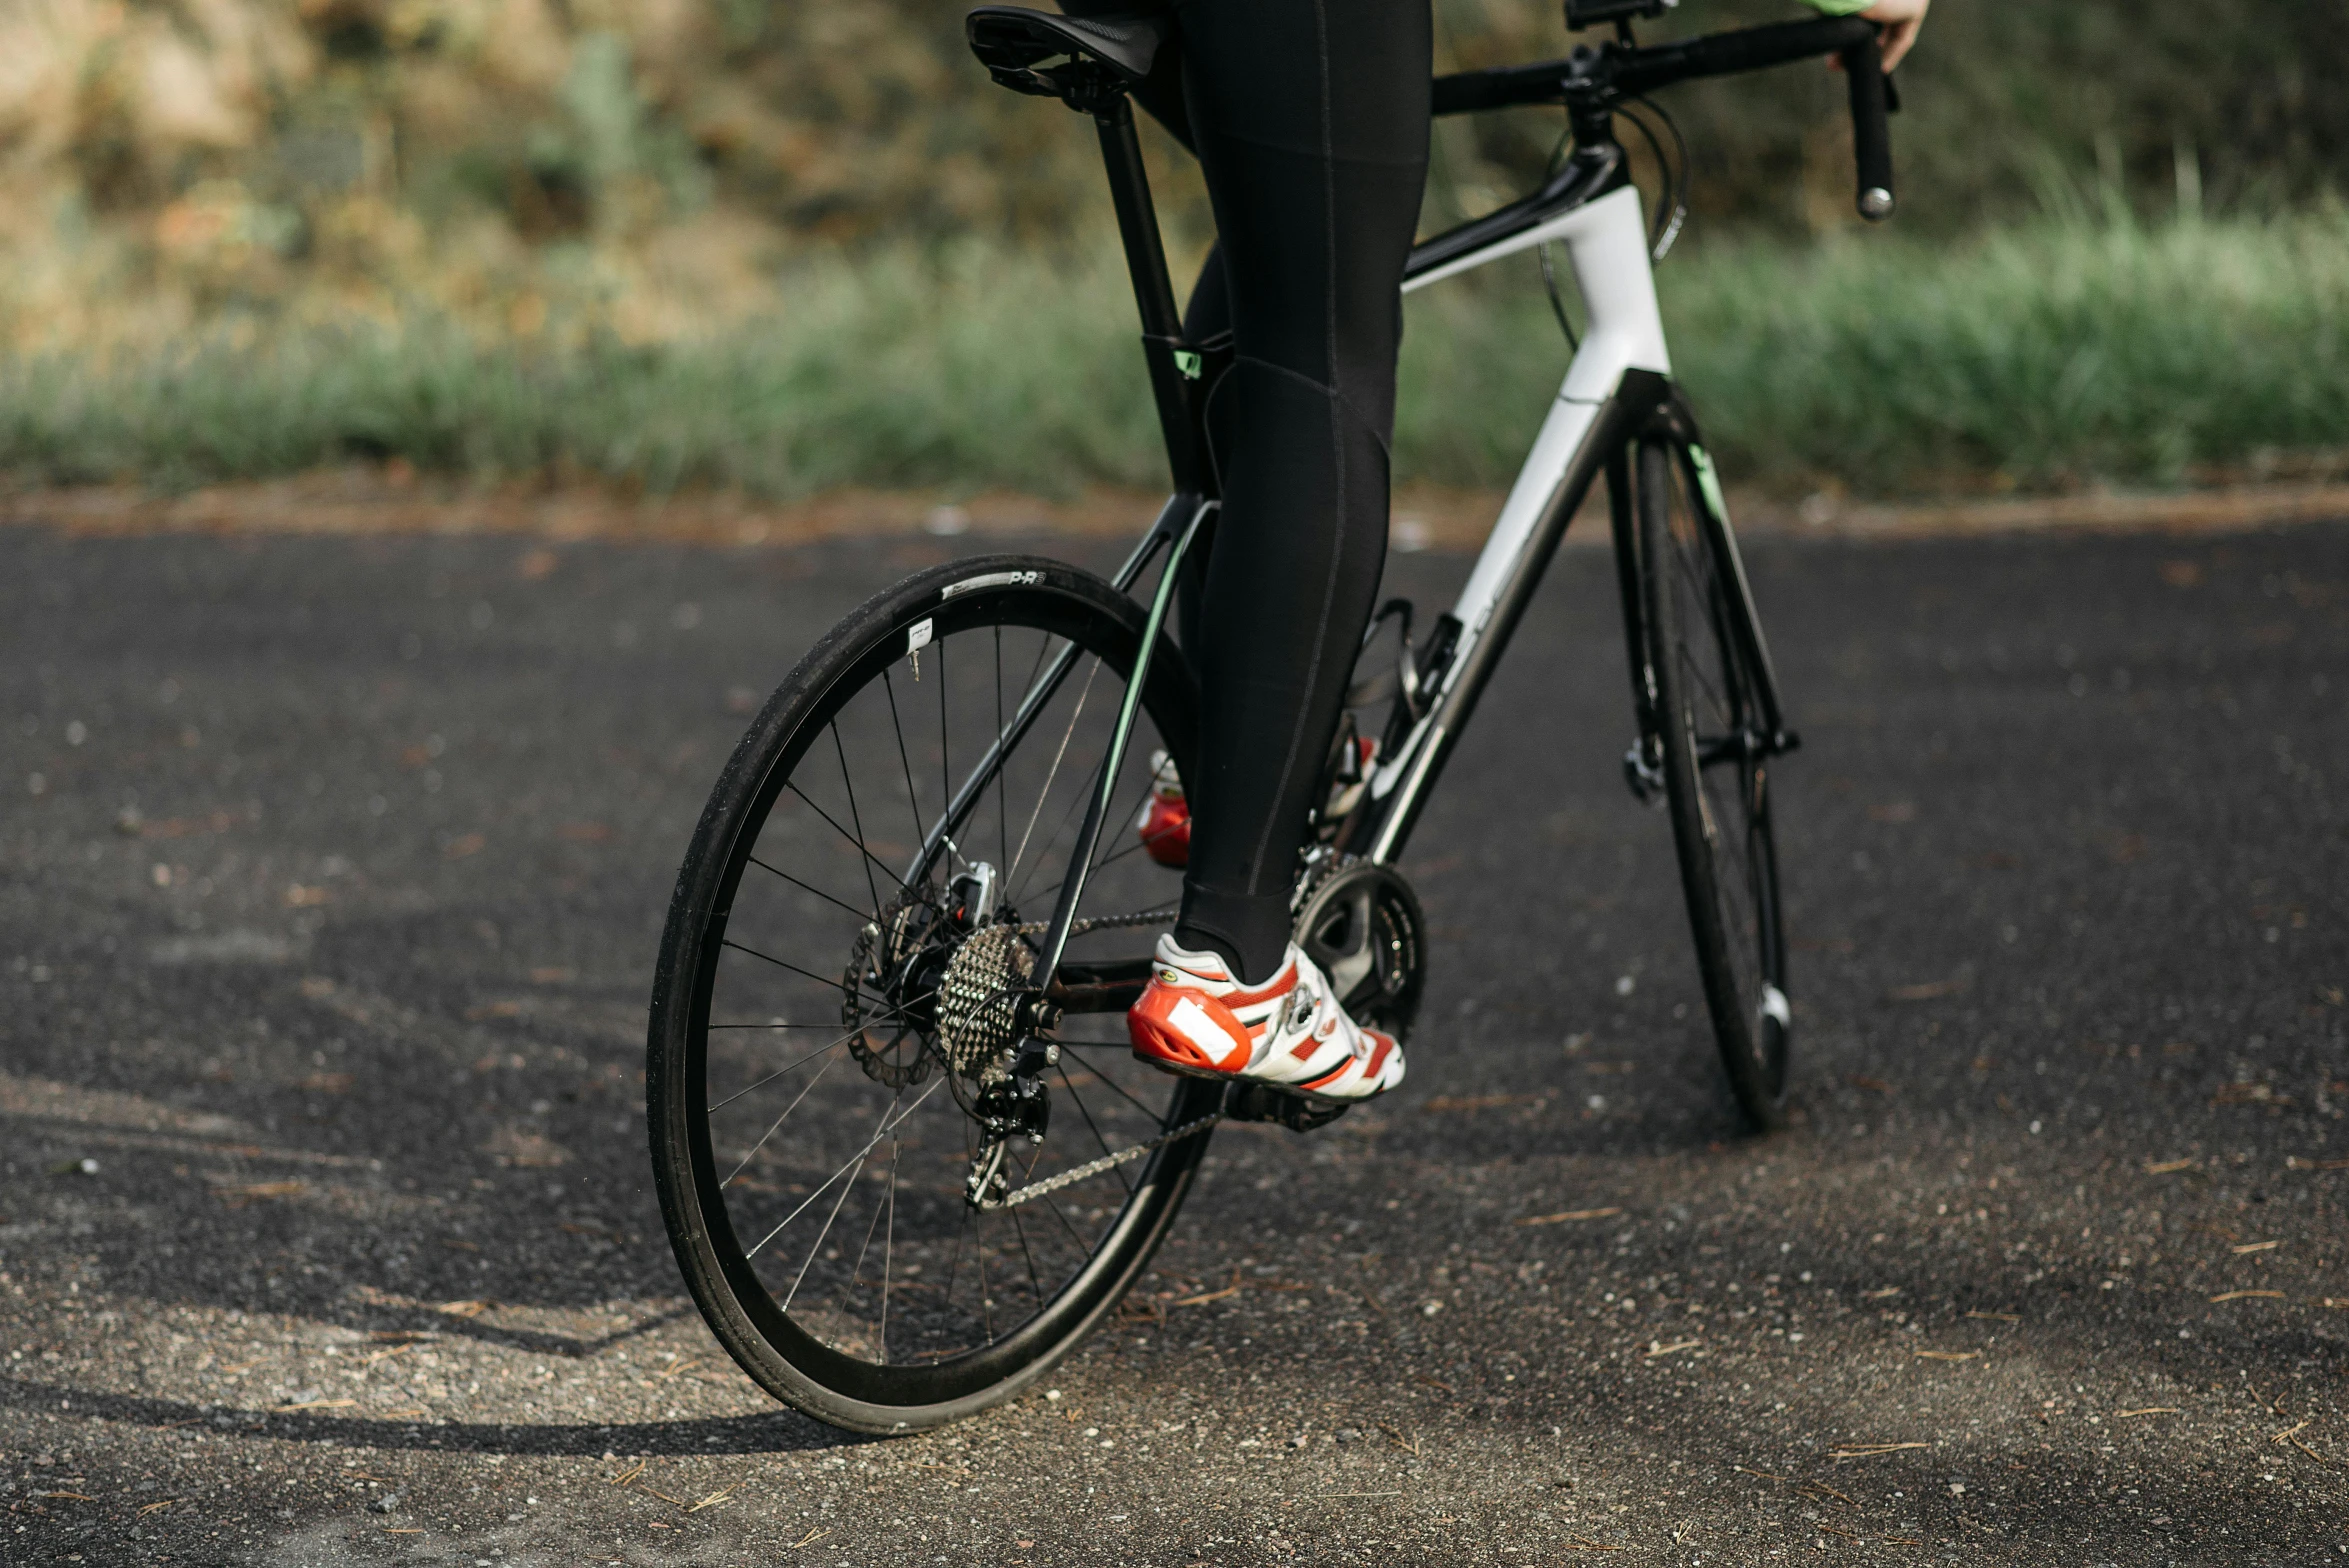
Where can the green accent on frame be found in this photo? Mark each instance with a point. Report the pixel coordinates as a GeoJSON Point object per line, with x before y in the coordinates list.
{"type": "Point", "coordinates": [1709, 482]}
{"type": "Point", "coordinates": [1187, 361]}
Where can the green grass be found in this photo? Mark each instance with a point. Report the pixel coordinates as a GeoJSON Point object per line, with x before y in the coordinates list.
{"type": "Point", "coordinates": [2053, 354]}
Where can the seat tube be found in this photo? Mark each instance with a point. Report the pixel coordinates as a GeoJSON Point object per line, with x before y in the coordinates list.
{"type": "Point", "coordinates": [1173, 381]}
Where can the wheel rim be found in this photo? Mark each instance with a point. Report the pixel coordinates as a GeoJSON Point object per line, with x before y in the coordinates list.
{"type": "Point", "coordinates": [1720, 718]}
{"type": "Point", "coordinates": [832, 1150]}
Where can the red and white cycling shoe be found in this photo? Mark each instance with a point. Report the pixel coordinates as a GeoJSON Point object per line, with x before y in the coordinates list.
{"type": "Point", "coordinates": [1290, 1032]}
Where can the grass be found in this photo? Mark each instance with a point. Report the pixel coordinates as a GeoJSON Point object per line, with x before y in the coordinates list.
{"type": "Point", "coordinates": [2055, 354]}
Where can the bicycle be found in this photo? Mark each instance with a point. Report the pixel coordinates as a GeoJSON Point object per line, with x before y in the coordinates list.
{"type": "Point", "coordinates": [869, 1001]}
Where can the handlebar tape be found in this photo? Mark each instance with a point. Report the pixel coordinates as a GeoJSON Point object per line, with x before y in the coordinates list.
{"type": "Point", "coordinates": [1735, 53]}
{"type": "Point", "coordinates": [1871, 133]}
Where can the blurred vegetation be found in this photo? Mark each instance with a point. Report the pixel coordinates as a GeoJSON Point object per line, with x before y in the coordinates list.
{"type": "Point", "coordinates": [791, 244]}
{"type": "Point", "coordinates": [2048, 356]}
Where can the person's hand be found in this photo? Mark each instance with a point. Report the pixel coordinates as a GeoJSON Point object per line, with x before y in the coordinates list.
{"type": "Point", "coordinates": [1900, 20]}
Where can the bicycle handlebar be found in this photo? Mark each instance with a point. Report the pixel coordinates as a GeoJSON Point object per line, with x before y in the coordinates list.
{"type": "Point", "coordinates": [1598, 79]}
{"type": "Point", "coordinates": [1871, 130]}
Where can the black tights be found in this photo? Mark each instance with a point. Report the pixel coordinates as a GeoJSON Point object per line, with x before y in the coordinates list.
{"type": "Point", "coordinates": [1310, 120]}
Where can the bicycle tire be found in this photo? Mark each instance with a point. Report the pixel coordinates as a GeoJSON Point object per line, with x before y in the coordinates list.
{"type": "Point", "coordinates": [828, 1361]}
{"type": "Point", "coordinates": [1716, 778]}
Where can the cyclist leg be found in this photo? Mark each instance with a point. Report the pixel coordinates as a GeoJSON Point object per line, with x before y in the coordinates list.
{"type": "Point", "coordinates": [1311, 123]}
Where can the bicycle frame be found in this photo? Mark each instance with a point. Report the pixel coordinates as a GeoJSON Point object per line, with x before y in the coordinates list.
{"type": "Point", "coordinates": [1617, 392]}
{"type": "Point", "coordinates": [1617, 389]}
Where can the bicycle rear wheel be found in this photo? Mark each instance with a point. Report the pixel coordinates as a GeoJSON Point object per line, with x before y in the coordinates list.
{"type": "Point", "coordinates": [858, 911]}
{"type": "Point", "coordinates": [1715, 747]}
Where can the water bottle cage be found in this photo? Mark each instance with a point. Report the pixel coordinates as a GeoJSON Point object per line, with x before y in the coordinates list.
{"type": "Point", "coordinates": [1404, 679]}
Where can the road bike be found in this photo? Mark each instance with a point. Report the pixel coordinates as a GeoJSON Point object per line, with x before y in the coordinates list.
{"type": "Point", "coordinates": [904, 1154]}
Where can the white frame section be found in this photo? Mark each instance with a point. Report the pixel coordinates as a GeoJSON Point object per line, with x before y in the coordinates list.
{"type": "Point", "coordinates": [1607, 245]}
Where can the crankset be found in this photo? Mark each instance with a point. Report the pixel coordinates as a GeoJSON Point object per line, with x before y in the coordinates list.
{"type": "Point", "coordinates": [1361, 923]}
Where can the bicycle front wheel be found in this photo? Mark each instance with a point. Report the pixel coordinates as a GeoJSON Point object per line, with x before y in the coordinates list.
{"type": "Point", "coordinates": [1715, 746]}
{"type": "Point", "coordinates": [834, 1009]}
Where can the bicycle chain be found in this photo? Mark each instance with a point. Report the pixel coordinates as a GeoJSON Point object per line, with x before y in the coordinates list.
{"type": "Point", "coordinates": [1091, 1168]}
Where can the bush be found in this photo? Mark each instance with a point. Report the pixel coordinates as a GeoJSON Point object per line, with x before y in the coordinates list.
{"type": "Point", "coordinates": [2065, 352]}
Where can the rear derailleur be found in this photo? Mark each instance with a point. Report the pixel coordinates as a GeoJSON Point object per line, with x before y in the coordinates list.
{"type": "Point", "coordinates": [1014, 1104]}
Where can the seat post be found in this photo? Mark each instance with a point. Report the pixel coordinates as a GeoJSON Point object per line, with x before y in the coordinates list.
{"type": "Point", "coordinates": [1174, 366]}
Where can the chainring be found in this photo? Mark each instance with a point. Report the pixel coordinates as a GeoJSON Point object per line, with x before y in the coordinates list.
{"type": "Point", "coordinates": [1362, 924]}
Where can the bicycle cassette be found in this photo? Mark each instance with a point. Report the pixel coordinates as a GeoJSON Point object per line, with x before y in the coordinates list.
{"type": "Point", "coordinates": [979, 1000]}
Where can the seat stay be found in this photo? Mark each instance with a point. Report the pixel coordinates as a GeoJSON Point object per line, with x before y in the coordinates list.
{"type": "Point", "coordinates": [1104, 59]}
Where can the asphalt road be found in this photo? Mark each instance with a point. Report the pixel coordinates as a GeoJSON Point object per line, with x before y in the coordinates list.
{"type": "Point", "coordinates": [330, 876]}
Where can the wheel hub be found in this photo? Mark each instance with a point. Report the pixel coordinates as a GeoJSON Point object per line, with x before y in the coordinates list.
{"type": "Point", "coordinates": [939, 980]}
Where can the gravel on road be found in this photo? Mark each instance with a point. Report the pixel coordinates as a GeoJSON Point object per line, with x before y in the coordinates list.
{"type": "Point", "coordinates": [331, 872]}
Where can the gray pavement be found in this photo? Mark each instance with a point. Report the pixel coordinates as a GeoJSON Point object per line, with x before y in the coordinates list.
{"type": "Point", "coordinates": [330, 876]}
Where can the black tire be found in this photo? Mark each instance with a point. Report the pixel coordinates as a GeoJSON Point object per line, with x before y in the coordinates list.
{"type": "Point", "coordinates": [1716, 779]}
{"type": "Point", "coordinates": [781, 890]}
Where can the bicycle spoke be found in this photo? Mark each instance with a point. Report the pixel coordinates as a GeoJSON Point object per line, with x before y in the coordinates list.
{"type": "Point", "coordinates": [1068, 816]}
{"type": "Point", "coordinates": [857, 818]}
{"type": "Point", "coordinates": [894, 879]}
{"type": "Point", "coordinates": [913, 804]}
{"type": "Point", "coordinates": [856, 1270]}
{"type": "Point", "coordinates": [1119, 1171]}
{"type": "Point", "coordinates": [889, 1245]}
{"type": "Point", "coordinates": [1119, 1090]}
{"type": "Point", "coordinates": [954, 1264]}
{"type": "Point", "coordinates": [855, 1159]}
{"type": "Point", "coordinates": [986, 1291]}
{"type": "Point", "coordinates": [897, 1012]}
{"type": "Point", "coordinates": [744, 1162]}
{"type": "Point", "coordinates": [860, 914]}
{"type": "Point", "coordinates": [1075, 1240]}
{"type": "Point", "coordinates": [1134, 842]}
{"type": "Point", "coordinates": [817, 1245]}
{"type": "Point", "coordinates": [1084, 696]}
{"type": "Point", "coordinates": [1035, 1283]}
{"type": "Point", "coordinates": [785, 963]}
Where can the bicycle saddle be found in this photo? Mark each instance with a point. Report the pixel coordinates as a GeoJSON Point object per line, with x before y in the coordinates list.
{"type": "Point", "coordinates": [1011, 40]}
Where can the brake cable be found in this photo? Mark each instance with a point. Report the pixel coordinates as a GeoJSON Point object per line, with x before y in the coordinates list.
{"type": "Point", "coordinates": [1673, 171]}
{"type": "Point", "coordinates": [1542, 252]}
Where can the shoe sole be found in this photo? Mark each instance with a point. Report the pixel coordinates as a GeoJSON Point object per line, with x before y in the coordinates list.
{"type": "Point", "coordinates": [1182, 1071]}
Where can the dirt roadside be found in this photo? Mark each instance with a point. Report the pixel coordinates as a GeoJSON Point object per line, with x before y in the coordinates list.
{"type": "Point", "coordinates": [394, 501]}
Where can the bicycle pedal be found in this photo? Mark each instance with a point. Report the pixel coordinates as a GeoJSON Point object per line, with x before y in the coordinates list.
{"type": "Point", "coordinates": [1253, 1101]}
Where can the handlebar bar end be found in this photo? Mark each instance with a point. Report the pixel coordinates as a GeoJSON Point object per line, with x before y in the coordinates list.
{"type": "Point", "coordinates": [1876, 204]}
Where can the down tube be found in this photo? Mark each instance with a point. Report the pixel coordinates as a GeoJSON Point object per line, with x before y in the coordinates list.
{"type": "Point", "coordinates": [1491, 621]}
